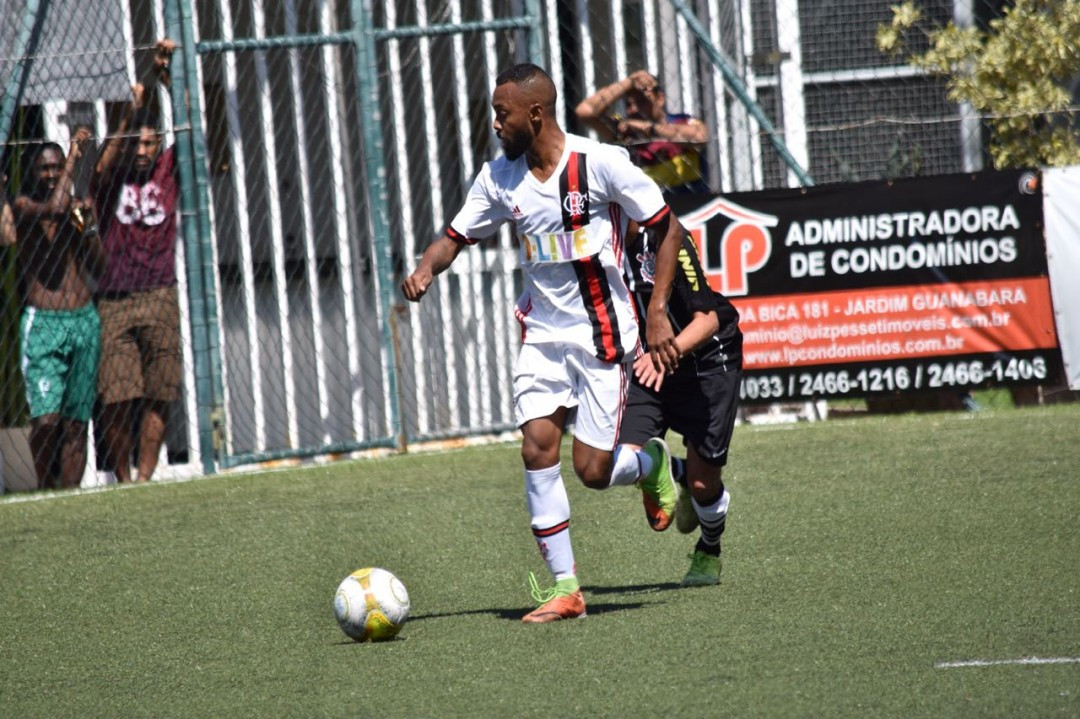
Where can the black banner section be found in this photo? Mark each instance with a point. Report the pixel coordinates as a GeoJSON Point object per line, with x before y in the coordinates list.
{"type": "Point", "coordinates": [859, 289]}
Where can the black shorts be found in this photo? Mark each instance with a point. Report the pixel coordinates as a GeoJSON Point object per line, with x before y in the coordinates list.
{"type": "Point", "coordinates": [699, 407]}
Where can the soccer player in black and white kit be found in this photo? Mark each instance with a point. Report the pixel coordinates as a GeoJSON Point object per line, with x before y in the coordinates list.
{"type": "Point", "coordinates": [698, 400]}
{"type": "Point", "coordinates": [571, 200]}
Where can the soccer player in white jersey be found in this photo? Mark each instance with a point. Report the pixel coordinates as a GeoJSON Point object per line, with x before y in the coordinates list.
{"type": "Point", "coordinates": [570, 200]}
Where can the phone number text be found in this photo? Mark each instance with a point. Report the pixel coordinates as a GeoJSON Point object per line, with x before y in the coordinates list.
{"type": "Point", "coordinates": [911, 376]}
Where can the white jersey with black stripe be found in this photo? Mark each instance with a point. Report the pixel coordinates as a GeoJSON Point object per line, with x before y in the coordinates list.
{"type": "Point", "coordinates": [570, 229]}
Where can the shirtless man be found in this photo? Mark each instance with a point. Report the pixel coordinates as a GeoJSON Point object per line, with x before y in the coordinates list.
{"type": "Point", "coordinates": [59, 253]}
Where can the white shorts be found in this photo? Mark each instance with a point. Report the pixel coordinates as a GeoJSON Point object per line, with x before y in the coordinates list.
{"type": "Point", "coordinates": [548, 376]}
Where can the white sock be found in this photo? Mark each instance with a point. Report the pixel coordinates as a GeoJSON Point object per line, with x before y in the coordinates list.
{"type": "Point", "coordinates": [712, 518]}
{"type": "Point", "coordinates": [629, 465]}
{"type": "Point", "coordinates": [549, 510]}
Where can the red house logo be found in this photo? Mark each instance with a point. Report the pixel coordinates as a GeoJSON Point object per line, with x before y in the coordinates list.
{"type": "Point", "coordinates": [732, 242]}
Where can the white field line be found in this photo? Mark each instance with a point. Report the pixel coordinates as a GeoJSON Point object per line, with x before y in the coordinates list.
{"type": "Point", "coordinates": [1004, 662]}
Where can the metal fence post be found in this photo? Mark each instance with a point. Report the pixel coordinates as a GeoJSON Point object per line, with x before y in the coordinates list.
{"type": "Point", "coordinates": [738, 87]}
{"type": "Point", "coordinates": [536, 39]}
{"type": "Point", "coordinates": [194, 224]}
{"type": "Point", "coordinates": [378, 201]}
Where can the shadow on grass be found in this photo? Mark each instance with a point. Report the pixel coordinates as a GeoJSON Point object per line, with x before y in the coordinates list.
{"type": "Point", "coordinates": [631, 589]}
{"type": "Point", "coordinates": [518, 612]}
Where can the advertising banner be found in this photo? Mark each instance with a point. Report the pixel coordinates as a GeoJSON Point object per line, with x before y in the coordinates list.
{"type": "Point", "coordinates": [850, 290]}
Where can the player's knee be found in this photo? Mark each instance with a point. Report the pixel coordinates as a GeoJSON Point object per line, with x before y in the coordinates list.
{"type": "Point", "coordinates": [593, 472]}
{"type": "Point", "coordinates": [594, 481]}
{"type": "Point", "coordinates": [536, 456]}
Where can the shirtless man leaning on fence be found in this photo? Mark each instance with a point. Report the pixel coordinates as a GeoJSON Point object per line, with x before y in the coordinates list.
{"type": "Point", "coordinates": [60, 253]}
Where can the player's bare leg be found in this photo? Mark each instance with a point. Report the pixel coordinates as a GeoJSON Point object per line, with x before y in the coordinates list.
{"type": "Point", "coordinates": [151, 437]}
{"type": "Point", "coordinates": [541, 439]}
{"type": "Point", "coordinates": [592, 465]}
{"type": "Point", "coordinates": [649, 467]}
{"type": "Point", "coordinates": [72, 453]}
{"type": "Point", "coordinates": [116, 431]}
{"type": "Point", "coordinates": [45, 437]}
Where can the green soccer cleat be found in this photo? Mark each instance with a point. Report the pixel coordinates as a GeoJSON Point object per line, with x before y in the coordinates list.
{"type": "Point", "coordinates": [686, 520]}
{"type": "Point", "coordinates": [704, 570]}
{"type": "Point", "coordinates": [658, 492]}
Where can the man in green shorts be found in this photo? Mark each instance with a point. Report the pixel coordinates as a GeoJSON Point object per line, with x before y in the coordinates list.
{"type": "Point", "coordinates": [58, 248]}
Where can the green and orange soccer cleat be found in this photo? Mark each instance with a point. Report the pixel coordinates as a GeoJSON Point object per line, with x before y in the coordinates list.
{"type": "Point", "coordinates": [658, 492]}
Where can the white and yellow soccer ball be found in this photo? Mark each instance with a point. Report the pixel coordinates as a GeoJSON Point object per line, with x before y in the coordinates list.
{"type": "Point", "coordinates": [371, 604]}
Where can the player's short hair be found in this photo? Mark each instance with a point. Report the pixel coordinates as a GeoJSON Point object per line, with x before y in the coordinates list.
{"type": "Point", "coordinates": [520, 73]}
{"type": "Point", "coordinates": [530, 76]}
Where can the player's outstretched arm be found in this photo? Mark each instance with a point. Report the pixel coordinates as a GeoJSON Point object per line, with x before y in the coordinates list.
{"type": "Point", "coordinates": [437, 257]}
{"type": "Point", "coordinates": [111, 149]}
{"type": "Point", "coordinates": [143, 95]}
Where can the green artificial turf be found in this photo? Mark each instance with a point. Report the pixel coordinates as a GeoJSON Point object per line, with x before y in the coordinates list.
{"type": "Point", "coordinates": [860, 555]}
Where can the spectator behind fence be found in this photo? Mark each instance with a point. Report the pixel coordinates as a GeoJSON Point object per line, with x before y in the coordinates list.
{"type": "Point", "coordinates": [59, 252]}
{"type": "Point", "coordinates": [666, 145]}
{"type": "Point", "coordinates": [136, 191]}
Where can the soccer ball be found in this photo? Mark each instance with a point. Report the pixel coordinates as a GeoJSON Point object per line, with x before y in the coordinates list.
{"type": "Point", "coordinates": [371, 604]}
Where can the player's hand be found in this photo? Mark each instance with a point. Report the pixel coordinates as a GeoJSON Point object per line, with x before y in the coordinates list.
{"type": "Point", "coordinates": [163, 51]}
{"type": "Point", "coordinates": [138, 96]}
{"type": "Point", "coordinates": [632, 127]}
{"type": "Point", "coordinates": [82, 134]}
{"type": "Point", "coordinates": [641, 80]}
{"type": "Point", "coordinates": [661, 341]}
{"type": "Point", "coordinates": [82, 216]}
{"type": "Point", "coordinates": [416, 285]}
{"type": "Point", "coordinates": [646, 374]}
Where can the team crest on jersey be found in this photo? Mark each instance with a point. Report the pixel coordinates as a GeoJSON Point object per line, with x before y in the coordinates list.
{"type": "Point", "coordinates": [574, 203]}
{"type": "Point", "coordinates": [648, 265]}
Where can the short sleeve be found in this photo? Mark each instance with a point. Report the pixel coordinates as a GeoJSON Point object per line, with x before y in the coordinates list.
{"type": "Point", "coordinates": [482, 213]}
{"type": "Point", "coordinates": [630, 188]}
{"type": "Point", "coordinates": [690, 283]}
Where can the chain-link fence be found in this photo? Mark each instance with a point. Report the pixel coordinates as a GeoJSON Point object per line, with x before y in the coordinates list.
{"type": "Point", "coordinates": [315, 148]}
